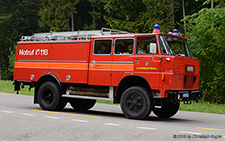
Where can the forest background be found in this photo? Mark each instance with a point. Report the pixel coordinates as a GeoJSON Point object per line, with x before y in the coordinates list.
{"type": "Point", "coordinates": [201, 21]}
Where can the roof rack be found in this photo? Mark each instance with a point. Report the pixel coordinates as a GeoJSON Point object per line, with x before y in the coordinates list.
{"type": "Point", "coordinates": [71, 35]}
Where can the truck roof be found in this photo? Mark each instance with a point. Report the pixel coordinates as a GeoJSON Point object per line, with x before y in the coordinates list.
{"type": "Point", "coordinates": [83, 35]}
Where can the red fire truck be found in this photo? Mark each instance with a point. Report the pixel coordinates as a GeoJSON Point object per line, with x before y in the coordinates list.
{"type": "Point", "coordinates": [143, 72]}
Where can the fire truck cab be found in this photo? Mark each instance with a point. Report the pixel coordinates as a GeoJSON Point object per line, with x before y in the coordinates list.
{"type": "Point", "coordinates": [143, 72]}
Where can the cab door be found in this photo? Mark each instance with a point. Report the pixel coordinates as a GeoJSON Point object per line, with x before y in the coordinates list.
{"type": "Point", "coordinates": [100, 63]}
{"type": "Point", "coordinates": [123, 59]}
{"type": "Point", "coordinates": [146, 64]}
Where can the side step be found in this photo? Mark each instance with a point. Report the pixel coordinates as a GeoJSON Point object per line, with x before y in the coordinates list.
{"type": "Point", "coordinates": [90, 93]}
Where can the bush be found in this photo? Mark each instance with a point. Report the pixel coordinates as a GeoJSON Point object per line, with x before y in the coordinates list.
{"type": "Point", "coordinates": [206, 34]}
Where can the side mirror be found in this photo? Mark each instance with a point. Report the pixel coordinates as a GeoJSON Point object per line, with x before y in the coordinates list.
{"type": "Point", "coordinates": [153, 48]}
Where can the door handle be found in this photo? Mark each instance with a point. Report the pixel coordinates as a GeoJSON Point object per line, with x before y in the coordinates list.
{"type": "Point", "coordinates": [92, 63]}
{"type": "Point", "coordinates": [137, 61]}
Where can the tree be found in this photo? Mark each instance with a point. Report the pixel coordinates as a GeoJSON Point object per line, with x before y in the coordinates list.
{"type": "Point", "coordinates": [206, 32]}
{"type": "Point", "coordinates": [56, 15]}
{"type": "Point", "coordinates": [139, 16]}
{"type": "Point", "coordinates": [20, 18]}
{"type": "Point", "coordinates": [97, 12]}
{"type": "Point", "coordinates": [183, 9]}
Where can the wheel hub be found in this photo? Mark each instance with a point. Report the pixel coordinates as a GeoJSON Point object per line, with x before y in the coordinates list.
{"type": "Point", "coordinates": [48, 97]}
{"type": "Point", "coordinates": [134, 103]}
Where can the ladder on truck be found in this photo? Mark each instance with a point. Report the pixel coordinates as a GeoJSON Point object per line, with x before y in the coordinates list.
{"type": "Point", "coordinates": [71, 35]}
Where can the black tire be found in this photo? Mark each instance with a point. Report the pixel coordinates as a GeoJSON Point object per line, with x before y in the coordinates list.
{"type": "Point", "coordinates": [82, 104]}
{"type": "Point", "coordinates": [168, 110]}
{"type": "Point", "coordinates": [49, 97]}
{"type": "Point", "coordinates": [136, 103]}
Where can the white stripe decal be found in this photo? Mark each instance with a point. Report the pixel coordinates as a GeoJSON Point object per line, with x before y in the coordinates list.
{"type": "Point", "coordinates": [51, 61]}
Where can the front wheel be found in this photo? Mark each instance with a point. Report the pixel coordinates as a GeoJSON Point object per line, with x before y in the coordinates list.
{"type": "Point", "coordinates": [168, 110]}
{"type": "Point", "coordinates": [49, 97]}
{"type": "Point", "coordinates": [136, 103]}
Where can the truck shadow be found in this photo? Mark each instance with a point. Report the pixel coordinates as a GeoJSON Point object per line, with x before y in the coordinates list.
{"type": "Point", "coordinates": [152, 117]}
{"type": "Point", "coordinates": [93, 112]}
{"type": "Point", "coordinates": [108, 114]}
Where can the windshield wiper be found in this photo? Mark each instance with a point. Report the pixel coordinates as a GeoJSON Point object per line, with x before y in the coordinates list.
{"type": "Point", "coordinates": [179, 54]}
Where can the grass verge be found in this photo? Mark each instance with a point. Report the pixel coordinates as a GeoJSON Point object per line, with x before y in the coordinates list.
{"type": "Point", "coordinates": [8, 87]}
{"type": "Point", "coordinates": [205, 107]}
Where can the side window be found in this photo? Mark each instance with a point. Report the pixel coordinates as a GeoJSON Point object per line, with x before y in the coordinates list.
{"type": "Point", "coordinates": [144, 44]}
{"type": "Point", "coordinates": [124, 46]}
{"type": "Point", "coordinates": [103, 47]}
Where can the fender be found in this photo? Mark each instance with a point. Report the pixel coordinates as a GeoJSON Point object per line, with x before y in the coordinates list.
{"type": "Point", "coordinates": [41, 80]}
{"type": "Point", "coordinates": [47, 75]}
{"type": "Point", "coordinates": [129, 74]}
{"type": "Point", "coordinates": [128, 81]}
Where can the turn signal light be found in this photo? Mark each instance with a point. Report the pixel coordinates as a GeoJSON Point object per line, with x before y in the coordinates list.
{"type": "Point", "coordinates": [163, 77]}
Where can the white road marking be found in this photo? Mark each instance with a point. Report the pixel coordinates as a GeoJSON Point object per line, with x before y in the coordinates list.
{"type": "Point", "coordinates": [112, 124]}
{"type": "Point", "coordinates": [186, 132]}
{"type": "Point", "coordinates": [79, 120]}
{"type": "Point", "coordinates": [147, 128]}
{"type": "Point", "coordinates": [52, 117]}
{"type": "Point", "coordinates": [27, 114]}
{"type": "Point", "coordinates": [8, 112]}
{"type": "Point", "coordinates": [102, 110]}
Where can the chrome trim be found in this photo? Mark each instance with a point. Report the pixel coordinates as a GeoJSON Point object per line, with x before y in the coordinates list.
{"type": "Point", "coordinates": [24, 81]}
{"type": "Point", "coordinates": [50, 61]}
{"type": "Point", "coordinates": [60, 42]}
{"type": "Point", "coordinates": [102, 54]}
{"type": "Point", "coordinates": [113, 36]}
{"type": "Point", "coordinates": [123, 39]}
{"type": "Point", "coordinates": [87, 97]}
{"type": "Point", "coordinates": [115, 62]}
{"type": "Point", "coordinates": [111, 91]}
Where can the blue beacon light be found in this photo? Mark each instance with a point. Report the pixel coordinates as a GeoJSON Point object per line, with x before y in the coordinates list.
{"type": "Point", "coordinates": [156, 29]}
{"type": "Point", "coordinates": [175, 31]}
{"type": "Point", "coordinates": [156, 26]}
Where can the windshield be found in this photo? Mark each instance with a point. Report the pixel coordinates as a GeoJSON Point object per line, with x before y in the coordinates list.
{"type": "Point", "coordinates": [173, 46]}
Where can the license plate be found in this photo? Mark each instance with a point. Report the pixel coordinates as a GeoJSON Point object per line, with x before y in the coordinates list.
{"type": "Point", "coordinates": [190, 68]}
{"type": "Point", "coordinates": [186, 95]}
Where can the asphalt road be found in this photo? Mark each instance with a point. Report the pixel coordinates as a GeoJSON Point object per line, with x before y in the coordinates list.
{"type": "Point", "coordinates": [21, 120]}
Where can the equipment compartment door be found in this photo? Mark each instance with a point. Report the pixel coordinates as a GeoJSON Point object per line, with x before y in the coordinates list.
{"type": "Point", "coordinates": [100, 63]}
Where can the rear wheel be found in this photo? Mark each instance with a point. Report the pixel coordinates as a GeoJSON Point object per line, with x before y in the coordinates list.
{"type": "Point", "coordinates": [136, 103]}
{"type": "Point", "coordinates": [82, 104]}
{"type": "Point", "coordinates": [168, 110]}
{"type": "Point", "coordinates": [49, 97]}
